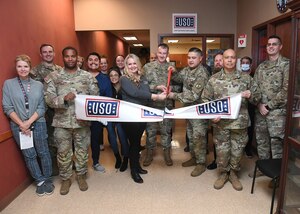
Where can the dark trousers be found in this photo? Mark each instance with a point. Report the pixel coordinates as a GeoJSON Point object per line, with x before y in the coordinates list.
{"type": "Point", "coordinates": [134, 132]}
{"type": "Point", "coordinates": [96, 140]}
{"type": "Point", "coordinates": [251, 110]}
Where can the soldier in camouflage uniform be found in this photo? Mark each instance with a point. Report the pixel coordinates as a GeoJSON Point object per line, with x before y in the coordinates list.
{"type": "Point", "coordinates": [272, 77]}
{"type": "Point", "coordinates": [194, 78]}
{"type": "Point", "coordinates": [218, 65]}
{"type": "Point", "coordinates": [156, 73]}
{"type": "Point", "coordinates": [230, 135]}
{"type": "Point", "coordinates": [38, 73]}
{"type": "Point", "coordinates": [61, 89]}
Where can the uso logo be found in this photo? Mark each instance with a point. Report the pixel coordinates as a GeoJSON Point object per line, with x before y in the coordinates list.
{"type": "Point", "coordinates": [187, 21]}
{"type": "Point", "coordinates": [215, 107]}
{"type": "Point", "coordinates": [149, 114]}
{"type": "Point", "coordinates": [102, 108]}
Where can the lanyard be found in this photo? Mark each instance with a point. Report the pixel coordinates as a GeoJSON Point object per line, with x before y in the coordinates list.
{"type": "Point", "coordinates": [25, 94]}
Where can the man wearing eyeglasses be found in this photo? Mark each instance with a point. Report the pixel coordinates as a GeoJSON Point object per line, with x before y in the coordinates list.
{"type": "Point", "coordinates": [272, 77]}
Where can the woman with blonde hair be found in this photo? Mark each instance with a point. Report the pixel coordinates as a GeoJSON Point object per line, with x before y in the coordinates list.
{"type": "Point", "coordinates": [135, 89]}
{"type": "Point", "coordinates": [23, 103]}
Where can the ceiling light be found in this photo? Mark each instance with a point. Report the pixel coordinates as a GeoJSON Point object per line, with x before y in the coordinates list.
{"type": "Point", "coordinates": [127, 38]}
{"type": "Point", "coordinates": [172, 40]}
{"type": "Point", "coordinates": [210, 40]}
{"type": "Point", "coordinates": [137, 45]}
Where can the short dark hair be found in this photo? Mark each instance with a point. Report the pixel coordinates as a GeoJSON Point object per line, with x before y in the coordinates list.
{"type": "Point", "coordinates": [119, 55]}
{"type": "Point", "coordinates": [69, 48]}
{"type": "Point", "coordinates": [104, 57]}
{"type": "Point", "coordinates": [164, 46]}
{"type": "Point", "coordinates": [94, 54]}
{"type": "Point", "coordinates": [44, 45]}
{"type": "Point", "coordinates": [275, 37]}
{"type": "Point", "coordinates": [248, 58]}
{"type": "Point", "coordinates": [196, 50]}
{"type": "Point", "coordinates": [116, 69]}
{"type": "Point", "coordinates": [218, 53]}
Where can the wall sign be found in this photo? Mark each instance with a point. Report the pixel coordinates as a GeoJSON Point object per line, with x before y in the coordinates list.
{"type": "Point", "coordinates": [242, 41]}
{"type": "Point", "coordinates": [185, 23]}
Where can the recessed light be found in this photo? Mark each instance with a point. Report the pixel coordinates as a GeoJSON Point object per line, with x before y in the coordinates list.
{"type": "Point", "coordinates": [172, 40]}
{"type": "Point", "coordinates": [129, 38]}
{"type": "Point", "coordinates": [210, 40]}
{"type": "Point", "coordinates": [137, 45]}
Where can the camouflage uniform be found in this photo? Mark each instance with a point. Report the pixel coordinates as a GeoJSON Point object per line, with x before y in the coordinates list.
{"type": "Point", "coordinates": [157, 74]}
{"type": "Point", "coordinates": [231, 135]}
{"type": "Point", "coordinates": [38, 73]}
{"type": "Point", "coordinates": [42, 70]}
{"type": "Point", "coordinates": [67, 127]}
{"type": "Point", "coordinates": [194, 80]}
{"type": "Point", "coordinates": [272, 78]}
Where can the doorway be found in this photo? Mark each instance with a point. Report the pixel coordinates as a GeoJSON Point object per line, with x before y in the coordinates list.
{"type": "Point", "coordinates": [210, 44]}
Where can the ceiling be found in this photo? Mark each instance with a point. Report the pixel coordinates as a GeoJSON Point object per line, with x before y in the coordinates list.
{"type": "Point", "coordinates": [143, 37]}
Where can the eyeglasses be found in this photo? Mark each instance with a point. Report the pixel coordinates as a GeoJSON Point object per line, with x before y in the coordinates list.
{"type": "Point", "coordinates": [272, 44]}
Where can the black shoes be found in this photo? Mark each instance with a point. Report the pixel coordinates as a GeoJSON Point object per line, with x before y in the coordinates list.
{"type": "Point", "coordinates": [118, 161]}
{"type": "Point", "coordinates": [212, 166]}
{"type": "Point", "coordinates": [136, 176]}
{"type": "Point", "coordinates": [124, 164]}
{"type": "Point", "coordinates": [142, 171]}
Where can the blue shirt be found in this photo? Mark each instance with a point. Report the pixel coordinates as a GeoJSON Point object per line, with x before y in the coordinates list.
{"type": "Point", "coordinates": [104, 85]}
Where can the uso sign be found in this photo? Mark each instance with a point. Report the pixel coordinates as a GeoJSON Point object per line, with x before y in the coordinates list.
{"type": "Point", "coordinates": [184, 23]}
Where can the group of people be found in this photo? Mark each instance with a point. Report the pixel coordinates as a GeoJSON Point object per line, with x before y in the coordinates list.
{"type": "Point", "coordinates": [40, 104]}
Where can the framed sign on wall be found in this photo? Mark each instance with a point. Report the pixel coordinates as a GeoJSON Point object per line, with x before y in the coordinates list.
{"type": "Point", "coordinates": [185, 23]}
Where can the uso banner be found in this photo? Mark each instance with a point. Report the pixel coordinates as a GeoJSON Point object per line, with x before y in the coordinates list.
{"type": "Point", "coordinates": [99, 108]}
{"type": "Point", "coordinates": [103, 109]}
{"type": "Point", "coordinates": [226, 108]}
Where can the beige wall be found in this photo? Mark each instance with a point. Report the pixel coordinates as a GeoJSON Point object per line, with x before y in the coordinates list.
{"type": "Point", "coordinates": [250, 14]}
{"type": "Point", "coordinates": [218, 16]}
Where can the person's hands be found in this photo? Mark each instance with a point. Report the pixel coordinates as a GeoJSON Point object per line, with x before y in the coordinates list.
{"type": "Point", "coordinates": [161, 88]}
{"type": "Point", "coordinates": [262, 109]}
{"type": "Point", "coordinates": [171, 95]}
{"type": "Point", "coordinates": [162, 96]}
{"type": "Point", "coordinates": [27, 132]}
{"type": "Point", "coordinates": [25, 125]}
{"type": "Point", "coordinates": [70, 96]}
{"type": "Point", "coordinates": [246, 94]}
{"type": "Point", "coordinates": [173, 69]}
{"type": "Point", "coordinates": [216, 120]}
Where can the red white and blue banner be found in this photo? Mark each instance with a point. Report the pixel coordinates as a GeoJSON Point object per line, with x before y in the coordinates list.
{"type": "Point", "coordinates": [97, 108]}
